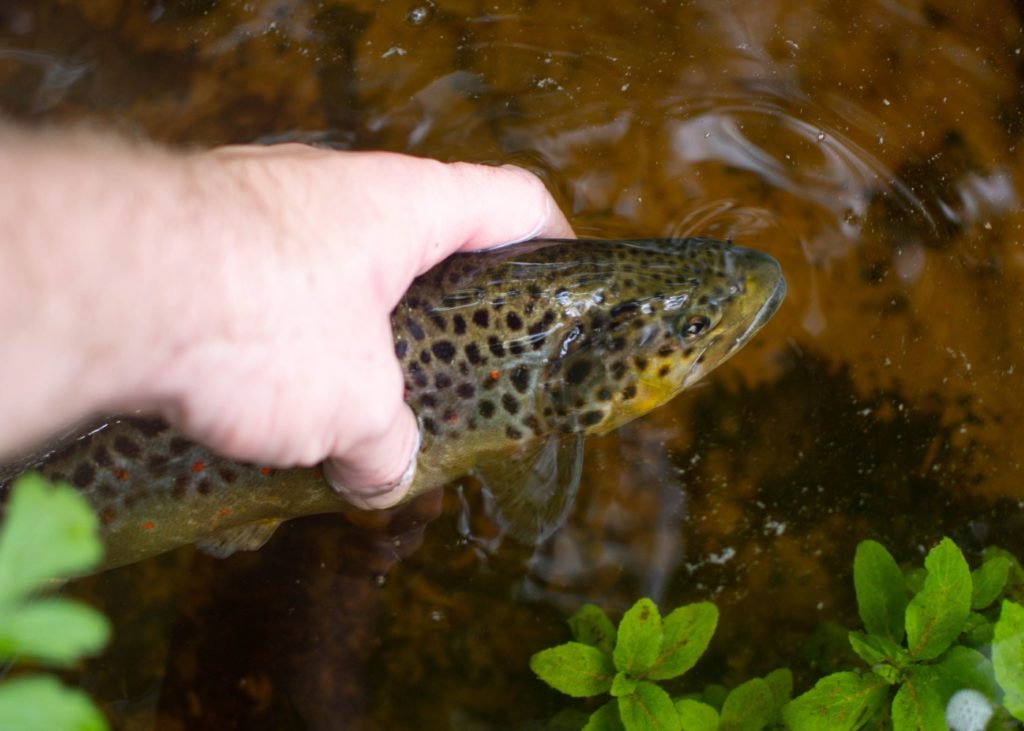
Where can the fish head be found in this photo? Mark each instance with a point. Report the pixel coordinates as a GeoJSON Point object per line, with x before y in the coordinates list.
{"type": "Point", "coordinates": [668, 313]}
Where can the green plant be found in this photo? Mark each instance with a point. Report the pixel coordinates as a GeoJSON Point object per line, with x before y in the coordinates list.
{"type": "Point", "coordinates": [926, 634]}
{"type": "Point", "coordinates": [48, 532]}
{"type": "Point", "coordinates": [944, 648]}
{"type": "Point", "coordinates": [629, 663]}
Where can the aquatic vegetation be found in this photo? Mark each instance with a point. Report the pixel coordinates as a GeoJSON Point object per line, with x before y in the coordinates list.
{"type": "Point", "coordinates": [49, 532]}
{"type": "Point", "coordinates": [944, 648]}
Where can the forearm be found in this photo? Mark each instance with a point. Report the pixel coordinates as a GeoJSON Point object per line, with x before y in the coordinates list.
{"type": "Point", "coordinates": [98, 277]}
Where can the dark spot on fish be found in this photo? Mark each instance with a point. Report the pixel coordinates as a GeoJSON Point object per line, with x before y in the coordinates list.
{"type": "Point", "coordinates": [412, 302]}
{"type": "Point", "coordinates": [481, 318]}
{"type": "Point", "coordinates": [450, 416]}
{"type": "Point", "coordinates": [108, 515]}
{"type": "Point", "coordinates": [530, 421]}
{"type": "Point", "coordinates": [617, 344]}
{"type": "Point", "coordinates": [512, 433]}
{"type": "Point", "coordinates": [516, 347]}
{"type": "Point", "coordinates": [401, 349]}
{"type": "Point", "coordinates": [663, 371]}
{"type": "Point", "coordinates": [549, 317]}
{"type": "Point", "coordinates": [414, 329]}
{"type": "Point", "coordinates": [428, 401]}
{"type": "Point", "coordinates": [629, 392]}
{"type": "Point", "coordinates": [430, 425]}
{"type": "Point", "coordinates": [624, 308]}
{"type": "Point", "coordinates": [471, 424]}
{"type": "Point", "coordinates": [576, 373]}
{"type": "Point", "coordinates": [618, 369]}
{"type": "Point", "coordinates": [205, 487]}
{"type": "Point", "coordinates": [514, 321]}
{"type": "Point", "coordinates": [418, 376]}
{"type": "Point", "coordinates": [534, 291]}
{"type": "Point", "coordinates": [425, 357]}
{"type": "Point", "coordinates": [496, 346]}
{"type": "Point", "coordinates": [149, 427]}
{"type": "Point", "coordinates": [465, 390]}
{"type": "Point", "coordinates": [510, 403]}
{"type": "Point", "coordinates": [521, 378]}
{"type": "Point", "coordinates": [473, 353]}
{"type": "Point", "coordinates": [591, 418]}
{"type": "Point", "coordinates": [83, 475]}
{"type": "Point", "coordinates": [442, 381]}
{"type": "Point", "coordinates": [439, 322]}
{"type": "Point", "coordinates": [227, 474]}
{"type": "Point", "coordinates": [126, 447]}
{"type": "Point", "coordinates": [463, 368]}
{"type": "Point", "coordinates": [180, 488]}
{"type": "Point", "coordinates": [485, 409]}
{"type": "Point", "coordinates": [665, 351]}
{"type": "Point", "coordinates": [603, 394]}
{"type": "Point", "coordinates": [459, 324]}
{"type": "Point", "coordinates": [640, 362]}
{"type": "Point", "coordinates": [444, 350]}
{"type": "Point", "coordinates": [179, 445]}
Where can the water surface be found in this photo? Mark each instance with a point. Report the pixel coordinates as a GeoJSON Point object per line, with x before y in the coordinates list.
{"type": "Point", "coordinates": [871, 147]}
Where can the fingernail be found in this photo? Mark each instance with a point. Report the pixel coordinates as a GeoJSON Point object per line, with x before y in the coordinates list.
{"type": "Point", "coordinates": [538, 227]}
{"type": "Point", "coordinates": [382, 496]}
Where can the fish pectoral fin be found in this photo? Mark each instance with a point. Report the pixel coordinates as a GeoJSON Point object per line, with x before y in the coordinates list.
{"type": "Point", "coordinates": [533, 490]}
{"type": "Point", "coordinates": [245, 537]}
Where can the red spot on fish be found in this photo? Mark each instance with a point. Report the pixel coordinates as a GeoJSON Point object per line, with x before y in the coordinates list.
{"type": "Point", "coordinates": [121, 474]}
{"type": "Point", "coordinates": [224, 512]}
{"type": "Point", "coordinates": [266, 471]}
{"type": "Point", "coordinates": [495, 375]}
{"type": "Point", "coordinates": [148, 525]}
{"type": "Point", "coordinates": [198, 466]}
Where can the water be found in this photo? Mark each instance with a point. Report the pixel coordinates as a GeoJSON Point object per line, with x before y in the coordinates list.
{"type": "Point", "coordinates": [871, 147]}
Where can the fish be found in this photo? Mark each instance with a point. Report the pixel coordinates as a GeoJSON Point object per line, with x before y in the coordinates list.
{"type": "Point", "coordinates": [511, 358]}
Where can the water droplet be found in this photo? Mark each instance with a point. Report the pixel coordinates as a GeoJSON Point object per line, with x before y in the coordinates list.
{"type": "Point", "coordinates": [436, 616]}
{"type": "Point", "coordinates": [379, 580]}
{"type": "Point", "coordinates": [420, 14]}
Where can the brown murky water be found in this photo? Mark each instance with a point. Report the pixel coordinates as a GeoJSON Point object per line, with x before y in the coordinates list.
{"type": "Point", "coordinates": [872, 147]}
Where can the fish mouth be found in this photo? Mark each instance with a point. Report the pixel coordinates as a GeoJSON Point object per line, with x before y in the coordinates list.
{"type": "Point", "coordinates": [768, 308]}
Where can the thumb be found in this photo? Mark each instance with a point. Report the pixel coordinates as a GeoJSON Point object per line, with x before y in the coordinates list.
{"type": "Point", "coordinates": [379, 470]}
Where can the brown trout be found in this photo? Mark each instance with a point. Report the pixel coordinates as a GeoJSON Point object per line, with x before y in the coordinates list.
{"type": "Point", "coordinates": [510, 357]}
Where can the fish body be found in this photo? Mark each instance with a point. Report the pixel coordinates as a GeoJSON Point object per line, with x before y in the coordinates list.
{"type": "Point", "coordinates": [510, 357]}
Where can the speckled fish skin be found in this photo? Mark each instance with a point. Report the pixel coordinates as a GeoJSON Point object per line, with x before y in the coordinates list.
{"type": "Point", "coordinates": [500, 350]}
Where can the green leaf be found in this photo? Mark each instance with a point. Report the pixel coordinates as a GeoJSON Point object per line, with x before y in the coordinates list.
{"type": "Point", "coordinates": [977, 631]}
{"type": "Point", "coordinates": [837, 702]}
{"type": "Point", "coordinates": [696, 716]}
{"type": "Point", "coordinates": [574, 669]}
{"type": "Point", "coordinates": [49, 532]}
{"type": "Point", "coordinates": [639, 639]}
{"type": "Point", "coordinates": [937, 614]}
{"type": "Point", "coordinates": [591, 626]}
{"type": "Point", "coordinates": [567, 719]}
{"type": "Point", "coordinates": [1016, 577]}
{"type": "Point", "coordinates": [915, 579]}
{"type": "Point", "coordinates": [686, 633]}
{"type": "Point", "coordinates": [875, 650]}
{"type": "Point", "coordinates": [960, 668]}
{"type": "Point", "coordinates": [648, 709]}
{"type": "Point", "coordinates": [917, 705]}
{"type": "Point", "coordinates": [781, 684]}
{"type": "Point", "coordinates": [749, 707]}
{"type": "Point", "coordinates": [714, 695]}
{"type": "Point", "coordinates": [605, 718]}
{"type": "Point", "coordinates": [57, 631]}
{"type": "Point", "coordinates": [41, 703]}
{"type": "Point", "coordinates": [988, 580]}
{"type": "Point", "coordinates": [881, 590]}
{"type": "Point", "coordinates": [623, 684]}
{"type": "Point", "coordinates": [1008, 656]}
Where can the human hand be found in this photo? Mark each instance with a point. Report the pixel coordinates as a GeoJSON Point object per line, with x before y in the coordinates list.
{"type": "Point", "coordinates": [292, 359]}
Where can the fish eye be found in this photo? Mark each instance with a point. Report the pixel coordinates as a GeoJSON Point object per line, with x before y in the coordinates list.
{"type": "Point", "coordinates": [696, 325]}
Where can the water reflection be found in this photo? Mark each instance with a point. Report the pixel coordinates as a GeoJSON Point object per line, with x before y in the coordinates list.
{"type": "Point", "coordinates": [873, 148]}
